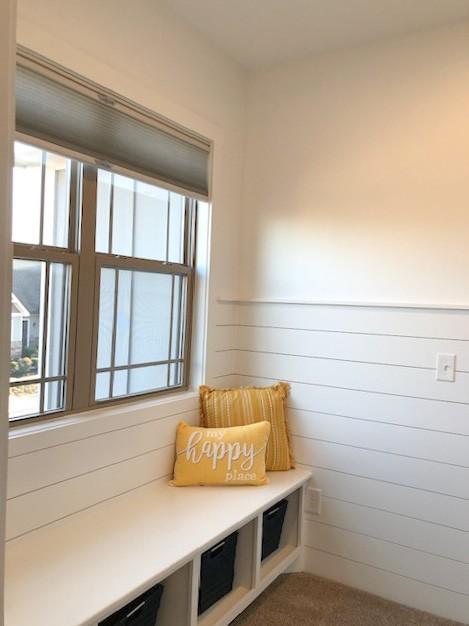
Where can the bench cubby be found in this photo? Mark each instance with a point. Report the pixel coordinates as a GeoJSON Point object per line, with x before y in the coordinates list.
{"type": "Point", "coordinates": [290, 538]}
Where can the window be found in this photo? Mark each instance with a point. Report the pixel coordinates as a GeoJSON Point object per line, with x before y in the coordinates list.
{"type": "Point", "coordinates": [102, 285]}
{"type": "Point", "coordinates": [104, 210]}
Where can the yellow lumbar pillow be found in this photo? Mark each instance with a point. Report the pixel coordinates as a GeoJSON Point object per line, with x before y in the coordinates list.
{"type": "Point", "coordinates": [246, 405]}
{"type": "Point", "coordinates": [221, 456]}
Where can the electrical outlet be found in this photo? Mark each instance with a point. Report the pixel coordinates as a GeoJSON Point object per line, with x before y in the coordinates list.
{"type": "Point", "coordinates": [313, 501]}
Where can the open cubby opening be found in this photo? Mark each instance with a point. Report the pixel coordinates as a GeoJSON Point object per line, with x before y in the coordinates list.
{"type": "Point", "coordinates": [175, 607]}
{"type": "Point", "coordinates": [289, 538]}
{"type": "Point", "coordinates": [244, 576]}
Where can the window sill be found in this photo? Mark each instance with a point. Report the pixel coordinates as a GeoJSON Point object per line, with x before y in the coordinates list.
{"type": "Point", "coordinates": [27, 438]}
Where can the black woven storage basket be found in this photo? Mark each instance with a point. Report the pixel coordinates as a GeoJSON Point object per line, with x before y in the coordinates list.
{"type": "Point", "coordinates": [142, 611]}
{"type": "Point", "coordinates": [217, 572]}
{"type": "Point", "coordinates": [272, 526]}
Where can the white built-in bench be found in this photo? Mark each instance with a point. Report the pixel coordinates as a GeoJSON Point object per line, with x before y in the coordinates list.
{"type": "Point", "coordinates": [80, 570]}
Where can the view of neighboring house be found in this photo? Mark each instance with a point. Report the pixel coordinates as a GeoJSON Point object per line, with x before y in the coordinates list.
{"type": "Point", "coordinates": [20, 321]}
{"type": "Point", "coordinates": [25, 308]}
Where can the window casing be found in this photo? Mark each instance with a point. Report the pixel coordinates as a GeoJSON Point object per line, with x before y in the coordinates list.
{"type": "Point", "coordinates": [110, 259]}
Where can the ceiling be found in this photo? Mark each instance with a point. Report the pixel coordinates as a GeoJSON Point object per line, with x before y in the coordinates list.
{"type": "Point", "coordinates": [261, 33]}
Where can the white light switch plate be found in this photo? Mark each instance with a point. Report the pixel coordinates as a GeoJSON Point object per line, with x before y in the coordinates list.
{"type": "Point", "coordinates": [445, 367]}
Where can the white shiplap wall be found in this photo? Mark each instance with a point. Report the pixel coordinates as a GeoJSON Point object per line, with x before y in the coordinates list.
{"type": "Point", "coordinates": [64, 467]}
{"type": "Point", "coordinates": [387, 443]}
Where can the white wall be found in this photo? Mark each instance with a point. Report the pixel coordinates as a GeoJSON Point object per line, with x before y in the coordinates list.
{"type": "Point", "coordinates": [356, 191]}
{"type": "Point", "coordinates": [7, 43]}
{"type": "Point", "coordinates": [356, 174]}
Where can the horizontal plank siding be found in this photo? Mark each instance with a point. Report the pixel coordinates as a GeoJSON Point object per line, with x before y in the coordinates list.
{"type": "Point", "coordinates": [387, 443]}
{"type": "Point", "coordinates": [428, 568]}
{"type": "Point", "coordinates": [418, 443]}
{"type": "Point", "coordinates": [383, 379]}
{"type": "Point", "coordinates": [388, 585]}
{"type": "Point", "coordinates": [54, 433]}
{"type": "Point", "coordinates": [53, 477]}
{"type": "Point", "coordinates": [403, 411]}
{"type": "Point", "coordinates": [360, 347]}
{"type": "Point", "coordinates": [49, 504]}
{"type": "Point", "coordinates": [394, 321]}
{"type": "Point", "coordinates": [428, 537]}
{"type": "Point", "coordinates": [410, 502]}
{"type": "Point", "coordinates": [73, 459]}
{"type": "Point", "coordinates": [426, 475]}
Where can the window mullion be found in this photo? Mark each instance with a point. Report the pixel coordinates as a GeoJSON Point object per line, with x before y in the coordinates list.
{"type": "Point", "coordinates": [86, 312]}
{"type": "Point", "coordinates": [43, 253]}
{"type": "Point", "coordinates": [188, 327]}
{"type": "Point", "coordinates": [141, 265]}
{"type": "Point", "coordinates": [168, 220]}
{"type": "Point", "coordinates": [186, 234]}
{"type": "Point", "coordinates": [111, 215]}
{"type": "Point", "coordinates": [74, 206]}
{"type": "Point", "coordinates": [171, 304]}
{"type": "Point", "coordinates": [132, 304]}
{"type": "Point", "coordinates": [114, 333]}
{"type": "Point", "coordinates": [70, 333]}
{"type": "Point", "coordinates": [190, 214]}
{"type": "Point", "coordinates": [190, 260]}
{"type": "Point", "coordinates": [45, 329]}
{"type": "Point", "coordinates": [179, 337]}
{"type": "Point", "coordinates": [43, 195]}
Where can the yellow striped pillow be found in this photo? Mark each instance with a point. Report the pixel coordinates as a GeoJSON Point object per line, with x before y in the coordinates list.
{"type": "Point", "coordinates": [221, 408]}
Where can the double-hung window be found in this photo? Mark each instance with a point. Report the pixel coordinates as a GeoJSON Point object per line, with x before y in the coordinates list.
{"type": "Point", "coordinates": [104, 247]}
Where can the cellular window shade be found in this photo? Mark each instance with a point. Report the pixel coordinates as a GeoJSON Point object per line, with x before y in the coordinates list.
{"type": "Point", "coordinates": [71, 112]}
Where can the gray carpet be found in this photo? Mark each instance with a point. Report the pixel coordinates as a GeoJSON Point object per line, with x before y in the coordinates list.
{"type": "Point", "coordinates": [306, 600]}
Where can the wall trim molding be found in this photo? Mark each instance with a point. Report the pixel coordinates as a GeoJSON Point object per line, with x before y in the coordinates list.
{"type": "Point", "coordinates": [350, 303]}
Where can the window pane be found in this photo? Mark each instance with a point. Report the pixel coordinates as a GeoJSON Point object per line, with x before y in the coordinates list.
{"type": "Point", "coordinates": [175, 374]}
{"type": "Point", "coordinates": [24, 401]}
{"type": "Point", "coordinates": [41, 191]}
{"type": "Point", "coordinates": [137, 219]}
{"type": "Point", "coordinates": [178, 329]}
{"type": "Point", "coordinates": [103, 202]}
{"type": "Point", "coordinates": [122, 216]}
{"type": "Point", "coordinates": [38, 348]}
{"type": "Point", "coordinates": [176, 228]}
{"type": "Point", "coordinates": [106, 317]}
{"type": "Point", "coordinates": [27, 314]}
{"type": "Point", "coordinates": [125, 307]}
{"type": "Point", "coordinates": [27, 185]}
{"type": "Point", "coordinates": [102, 386]}
{"type": "Point", "coordinates": [151, 304]}
{"type": "Point", "coordinates": [58, 315]}
{"type": "Point", "coordinates": [56, 201]}
{"type": "Point", "coordinates": [144, 379]}
{"type": "Point", "coordinates": [151, 221]}
{"type": "Point", "coordinates": [54, 399]}
{"type": "Point", "coordinates": [120, 382]}
{"type": "Point", "coordinates": [140, 380]}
